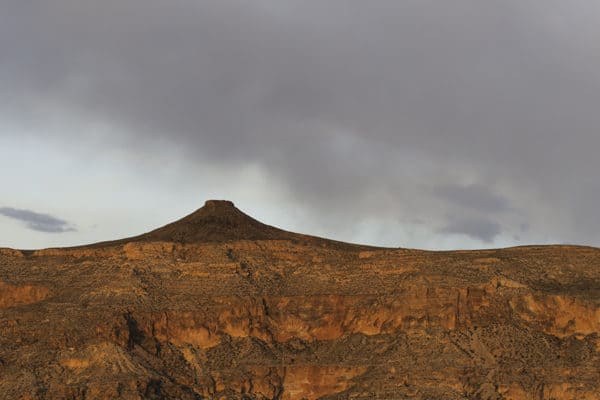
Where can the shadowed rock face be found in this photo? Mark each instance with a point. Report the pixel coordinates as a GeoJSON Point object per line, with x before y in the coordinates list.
{"type": "Point", "coordinates": [217, 221]}
{"type": "Point", "coordinates": [220, 221]}
{"type": "Point", "coordinates": [220, 306]}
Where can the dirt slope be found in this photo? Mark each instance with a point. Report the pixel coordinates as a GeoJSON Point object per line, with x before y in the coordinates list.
{"type": "Point", "coordinates": [220, 306]}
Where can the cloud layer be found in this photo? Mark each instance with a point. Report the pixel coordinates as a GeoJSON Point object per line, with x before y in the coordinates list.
{"type": "Point", "coordinates": [36, 221]}
{"type": "Point", "coordinates": [463, 118]}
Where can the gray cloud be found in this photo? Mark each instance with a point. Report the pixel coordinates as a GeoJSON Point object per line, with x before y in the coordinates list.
{"type": "Point", "coordinates": [353, 108]}
{"type": "Point", "coordinates": [476, 228]}
{"type": "Point", "coordinates": [475, 196]}
{"type": "Point", "coordinates": [36, 221]}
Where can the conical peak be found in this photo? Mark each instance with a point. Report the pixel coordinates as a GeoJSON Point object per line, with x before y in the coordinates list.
{"type": "Point", "coordinates": [217, 221]}
{"type": "Point", "coordinates": [221, 221]}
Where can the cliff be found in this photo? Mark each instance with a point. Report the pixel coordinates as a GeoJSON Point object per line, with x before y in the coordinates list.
{"type": "Point", "coordinates": [220, 306]}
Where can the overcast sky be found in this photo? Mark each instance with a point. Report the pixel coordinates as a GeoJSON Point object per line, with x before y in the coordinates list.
{"type": "Point", "coordinates": [414, 123]}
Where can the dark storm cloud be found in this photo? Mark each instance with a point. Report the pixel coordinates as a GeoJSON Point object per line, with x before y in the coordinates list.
{"type": "Point", "coordinates": [36, 221]}
{"type": "Point", "coordinates": [476, 228]}
{"type": "Point", "coordinates": [351, 105]}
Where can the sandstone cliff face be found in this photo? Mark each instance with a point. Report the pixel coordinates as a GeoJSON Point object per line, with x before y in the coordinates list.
{"type": "Point", "coordinates": [189, 312]}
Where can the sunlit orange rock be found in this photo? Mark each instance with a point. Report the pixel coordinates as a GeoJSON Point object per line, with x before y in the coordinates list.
{"type": "Point", "coordinates": [220, 306]}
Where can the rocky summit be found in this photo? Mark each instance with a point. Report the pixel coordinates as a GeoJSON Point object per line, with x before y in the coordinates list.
{"type": "Point", "coordinates": [220, 306]}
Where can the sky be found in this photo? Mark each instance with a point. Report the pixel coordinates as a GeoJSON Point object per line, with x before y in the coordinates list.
{"type": "Point", "coordinates": [417, 123]}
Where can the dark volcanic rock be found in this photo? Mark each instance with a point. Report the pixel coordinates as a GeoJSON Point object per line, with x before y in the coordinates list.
{"type": "Point", "coordinates": [217, 221]}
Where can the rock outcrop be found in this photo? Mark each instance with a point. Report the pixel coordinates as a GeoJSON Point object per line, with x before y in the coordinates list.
{"type": "Point", "coordinates": [220, 306]}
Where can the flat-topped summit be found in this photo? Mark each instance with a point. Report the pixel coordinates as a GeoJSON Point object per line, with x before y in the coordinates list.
{"type": "Point", "coordinates": [217, 221]}
{"type": "Point", "coordinates": [218, 205]}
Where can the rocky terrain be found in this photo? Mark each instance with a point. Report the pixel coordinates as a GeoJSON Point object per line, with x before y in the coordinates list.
{"type": "Point", "coordinates": [220, 306]}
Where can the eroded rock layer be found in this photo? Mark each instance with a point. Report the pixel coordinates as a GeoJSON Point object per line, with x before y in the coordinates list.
{"type": "Point", "coordinates": [188, 312]}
